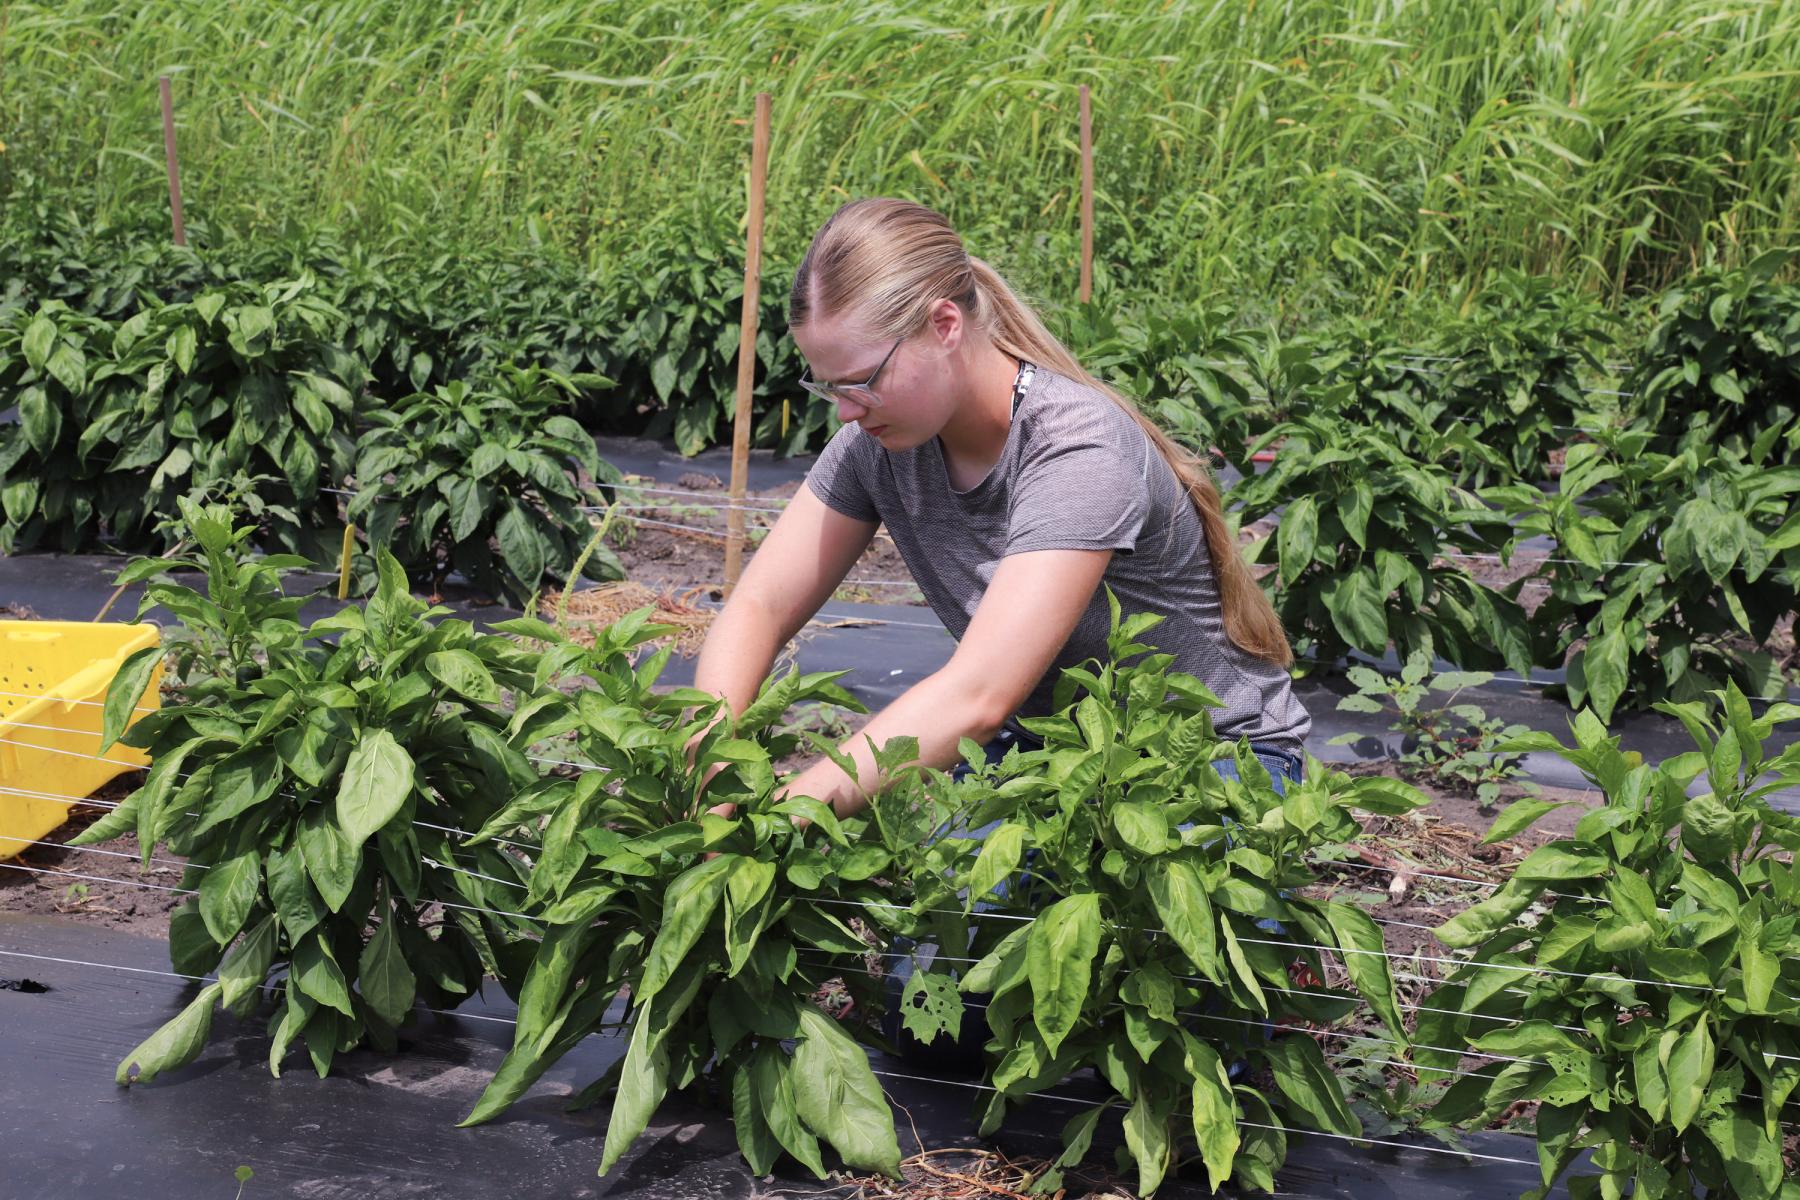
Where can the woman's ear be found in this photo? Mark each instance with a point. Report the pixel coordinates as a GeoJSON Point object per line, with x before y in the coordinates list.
{"type": "Point", "coordinates": [948, 321]}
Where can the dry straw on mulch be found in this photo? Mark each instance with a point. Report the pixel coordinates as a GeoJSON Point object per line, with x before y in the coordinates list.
{"type": "Point", "coordinates": [591, 609]}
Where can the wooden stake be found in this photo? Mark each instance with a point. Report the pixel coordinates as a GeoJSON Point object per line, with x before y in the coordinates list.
{"type": "Point", "coordinates": [746, 380]}
{"type": "Point", "coordinates": [168, 109]}
{"type": "Point", "coordinates": [344, 562]}
{"type": "Point", "coordinates": [1087, 196]}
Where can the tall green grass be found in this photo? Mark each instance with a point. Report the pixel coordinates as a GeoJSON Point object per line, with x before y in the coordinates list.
{"type": "Point", "coordinates": [1288, 155]}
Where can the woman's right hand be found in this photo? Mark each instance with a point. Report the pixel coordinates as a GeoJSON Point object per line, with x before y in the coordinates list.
{"type": "Point", "coordinates": [794, 571]}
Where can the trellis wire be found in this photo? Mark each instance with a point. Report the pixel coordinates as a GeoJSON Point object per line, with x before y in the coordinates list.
{"type": "Point", "coordinates": [1346, 1055]}
{"type": "Point", "coordinates": [265, 987]}
{"type": "Point", "coordinates": [512, 883]}
{"type": "Point", "coordinates": [597, 767]}
{"type": "Point", "coordinates": [1455, 962]}
{"type": "Point", "coordinates": [506, 1020]}
{"type": "Point", "coordinates": [651, 505]}
{"type": "Point", "coordinates": [167, 862]}
{"type": "Point", "coordinates": [1017, 917]}
{"type": "Point", "coordinates": [64, 798]}
{"type": "Point", "coordinates": [664, 506]}
{"type": "Point", "coordinates": [60, 798]}
{"type": "Point", "coordinates": [1356, 1037]}
{"type": "Point", "coordinates": [138, 883]}
{"type": "Point", "coordinates": [1391, 955]}
{"type": "Point", "coordinates": [1252, 941]}
{"type": "Point", "coordinates": [69, 753]}
{"type": "Point", "coordinates": [49, 728]}
{"type": "Point", "coordinates": [1367, 866]}
{"type": "Point", "coordinates": [1206, 1016]}
{"type": "Point", "coordinates": [565, 762]}
{"type": "Point", "coordinates": [1082, 1100]}
{"type": "Point", "coordinates": [556, 762]}
{"type": "Point", "coordinates": [1574, 562]}
{"type": "Point", "coordinates": [68, 700]}
{"type": "Point", "coordinates": [602, 508]}
{"type": "Point", "coordinates": [261, 987]}
{"type": "Point", "coordinates": [1458, 962]}
{"type": "Point", "coordinates": [170, 862]}
{"type": "Point", "coordinates": [1611, 368]}
{"type": "Point", "coordinates": [945, 958]}
{"type": "Point", "coordinates": [717, 585]}
{"type": "Point", "coordinates": [1416, 370]}
{"type": "Point", "coordinates": [716, 533]}
{"type": "Point", "coordinates": [1483, 883]}
{"type": "Point", "coordinates": [57, 797]}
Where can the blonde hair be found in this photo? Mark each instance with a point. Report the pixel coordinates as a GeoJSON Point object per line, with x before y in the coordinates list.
{"type": "Point", "coordinates": [882, 263]}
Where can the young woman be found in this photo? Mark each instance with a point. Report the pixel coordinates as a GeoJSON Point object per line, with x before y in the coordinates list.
{"type": "Point", "coordinates": [1014, 485]}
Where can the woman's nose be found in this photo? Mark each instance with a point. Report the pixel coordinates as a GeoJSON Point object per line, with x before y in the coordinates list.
{"type": "Point", "coordinates": [849, 410]}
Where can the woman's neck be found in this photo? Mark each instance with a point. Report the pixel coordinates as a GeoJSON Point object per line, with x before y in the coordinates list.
{"type": "Point", "coordinates": [975, 436]}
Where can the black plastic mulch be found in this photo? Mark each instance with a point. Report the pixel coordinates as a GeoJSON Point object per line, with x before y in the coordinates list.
{"type": "Point", "coordinates": [385, 1125]}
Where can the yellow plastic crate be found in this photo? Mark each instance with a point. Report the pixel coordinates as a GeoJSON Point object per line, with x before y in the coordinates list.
{"type": "Point", "coordinates": [53, 681]}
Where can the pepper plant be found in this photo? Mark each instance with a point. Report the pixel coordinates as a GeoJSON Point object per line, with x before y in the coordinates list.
{"type": "Point", "coordinates": [1177, 367]}
{"type": "Point", "coordinates": [1721, 367]}
{"type": "Point", "coordinates": [54, 491]}
{"type": "Point", "coordinates": [721, 928]}
{"type": "Point", "coordinates": [1511, 369]}
{"type": "Point", "coordinates": [1355, 373]}
{"type": "Point", "coordinates": [317, 779]}
{"type": "Point", "coordinates": [1669, 571]}
{"type": "Point", "coordinates": [672, 304]}
{"type": "Point", "coordinates": [1137, 912]}
{"type": "Point", "coordinates": [1652, 1010]}
{"type": "Point", "coordinates": [1448, 743]}
{"type": "Point", "coordinates": [446, 474]}
{"type": "Point", "coordinates": [103, 267]}
{"type": "Point", "coordinates": [1365, 549]}
{"type": "Point", "coordinates": [117, 419]}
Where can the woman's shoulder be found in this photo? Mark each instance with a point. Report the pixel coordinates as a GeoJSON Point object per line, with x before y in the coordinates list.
{"type": "Point", "coordinates": [848, 445]}
{"type": "Point", "coordinates": [1060, 409]}
{"type": "Point", "coordinates": [843, 464]}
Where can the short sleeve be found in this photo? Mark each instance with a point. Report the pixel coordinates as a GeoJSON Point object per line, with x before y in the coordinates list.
{"type": "Point", "coordinates": [837, 479]}
{"type": "Point", "coordinates": [1079, 496]}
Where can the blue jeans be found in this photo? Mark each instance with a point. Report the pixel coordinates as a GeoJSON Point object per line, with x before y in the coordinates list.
{"type": "Point", "coordinates": [965, 1054]}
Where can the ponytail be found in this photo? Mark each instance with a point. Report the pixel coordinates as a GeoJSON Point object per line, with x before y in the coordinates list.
{"type": "Point", "coordinates": [889, 260]}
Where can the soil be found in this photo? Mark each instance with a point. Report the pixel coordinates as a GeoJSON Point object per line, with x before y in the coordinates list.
{"type": "Point", "coordinates": [676, 545]}
{"type": "Point", "coordinates": [1498, 575]}
{"type": "Point", "coordinates": [1425, 867]}
{"type": "Point", "coordinates": [103, 886]}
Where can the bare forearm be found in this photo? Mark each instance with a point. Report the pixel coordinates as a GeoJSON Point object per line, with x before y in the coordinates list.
{"type": "Point", "coordinates": [739, 652]}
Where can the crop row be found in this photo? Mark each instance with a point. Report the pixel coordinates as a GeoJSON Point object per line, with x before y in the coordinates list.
{"type": "Point", "coordinates": [1663, 562]}
{"type": "Point", "coordinates": [368, 824]}
{"type": "Point", "coordinates": [1518, 366]}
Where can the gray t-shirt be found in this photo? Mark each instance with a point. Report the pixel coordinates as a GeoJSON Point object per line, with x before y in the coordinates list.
{"type": "Point", "coordinates": [1077, 473]}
